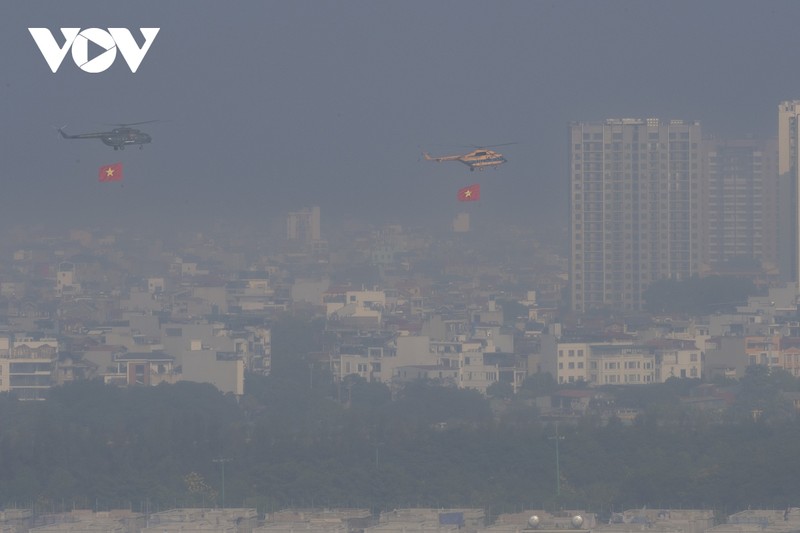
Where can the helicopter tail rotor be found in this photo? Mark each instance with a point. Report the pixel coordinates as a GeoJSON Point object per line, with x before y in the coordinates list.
{"type": "Point", "coordinates": [61, 131]}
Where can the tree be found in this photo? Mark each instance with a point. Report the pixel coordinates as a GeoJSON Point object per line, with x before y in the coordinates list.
{"type": "Point", "coordinates": [539, 384]}
{"type": "Point", "coordinates": [698, 296]}
{"type": "Point", "coordinates": [501, 390]}
{"type": "Point", "coordinates": [294, 338]}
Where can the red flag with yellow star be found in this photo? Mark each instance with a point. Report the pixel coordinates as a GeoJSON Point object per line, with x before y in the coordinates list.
{"type": "Point", "coordinates": [471, 193]}
{"type": "Point", "coordinates": [110, 172]}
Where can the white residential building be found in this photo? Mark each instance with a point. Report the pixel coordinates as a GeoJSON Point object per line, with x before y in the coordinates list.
{"type": "Point", "coordinates": [27, 366]}
{"type": "Point", "coordinates": [676, 358]}
{"type": "Point", "coordinates": [223, 370]}
{"type": "Point", "coordinates": [605, 363]}
{"type": "Point", "coordinates": [621, 365]}
{"type": "Point", "coordinates": [66, 280]}
{"type": "Point", "coordinates": [572, 362]}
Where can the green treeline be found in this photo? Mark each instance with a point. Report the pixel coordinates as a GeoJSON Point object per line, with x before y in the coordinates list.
{"type": "Point", "coordinates": [298, 439]}
{"type": "Point", "coordinates": [697, 295]}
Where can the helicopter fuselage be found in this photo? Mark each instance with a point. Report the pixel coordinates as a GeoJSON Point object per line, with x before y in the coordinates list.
{"type": "Point", "coordinates": [476, 160]}
{"type": "Point", "coordinates": [480, 160]}
{"type": "Point", "coordinates": [118, 138]}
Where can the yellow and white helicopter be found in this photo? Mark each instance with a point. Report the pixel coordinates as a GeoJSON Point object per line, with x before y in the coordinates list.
{"type": "Point", "coordinates": [478, 159]}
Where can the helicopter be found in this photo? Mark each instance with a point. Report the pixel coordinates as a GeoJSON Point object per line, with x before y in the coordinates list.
{"type": "Point", "coordinates": [478, 159]}
{"type": "Point", "coordinates": [120, 137]}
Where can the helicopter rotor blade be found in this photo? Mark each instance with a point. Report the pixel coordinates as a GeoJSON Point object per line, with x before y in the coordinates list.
{"type": "Point", "coordinates": [494, 145]}
{"type": "Point", "coordinates": [123, 124]}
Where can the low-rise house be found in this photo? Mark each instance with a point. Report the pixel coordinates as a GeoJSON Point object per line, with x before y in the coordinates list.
{"type": "Point", "coordinates": [676, 358]}
{"type": "Point", "coordinates": [142, 369]}
{"type": "Point", "coordinates": [315, 520]}
{"type": "Point", "coordinates": [752, 521]}
{"type": "Point", "coordinates": [467, 520]}
{"type": "Point", "coordinates": [87, 521]}
{"type": "Point", "coordinates": [659, 521]}
{"type": "Point", "coordinates": [223, 370]}
{"type": "Point", "coordinates": [224, 520]}
{"type": "Point", "coordinates": [28, 366]}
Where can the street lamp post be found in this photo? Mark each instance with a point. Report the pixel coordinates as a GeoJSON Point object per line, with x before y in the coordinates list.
{"type": "Point", "coordinates": [222, 461]}
{"type": "Point", "coordinates": [557, 438]}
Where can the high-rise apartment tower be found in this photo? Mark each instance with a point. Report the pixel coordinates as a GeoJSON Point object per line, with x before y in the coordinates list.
{"type": "Point", "coordinates": [634, 208]}
{"type": "Point", "coordinates": [740, 205]}
{"type": "Point", "coordinates": [304, 225]}
{"type": "Point", "coordinates": [788, 175]}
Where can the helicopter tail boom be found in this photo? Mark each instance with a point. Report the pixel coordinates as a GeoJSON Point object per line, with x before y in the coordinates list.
{"type": "Point", "coordinates": [80, 135]}
{"type": "Point", "coordinates": [428, 157]}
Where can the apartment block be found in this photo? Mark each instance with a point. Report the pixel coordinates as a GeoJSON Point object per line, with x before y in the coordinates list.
{"type": "Point", "coordinates": [28, 366]}
{"type": "Point", "coordinates": [304, 225]}
{"type": "Point", "coordinates": [788, 176]}
{"type": "Point", "coordinates": [634, 208]}
{"type": "Point", "coordinates": [605, 363]}
{"type": "Point", "coordinates": [740, 204]}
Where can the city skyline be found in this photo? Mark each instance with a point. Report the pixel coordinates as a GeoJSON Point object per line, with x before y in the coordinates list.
{"type": "Point", "coordinates": [283, 289]}
{"type": "Point", "coordinates": [655, 199]}
{"type": "Point", "coordinates": [300, 104]}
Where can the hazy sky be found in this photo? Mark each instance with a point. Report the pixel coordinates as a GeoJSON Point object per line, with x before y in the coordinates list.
{"type": "Point", "coordinates": [273, 106]}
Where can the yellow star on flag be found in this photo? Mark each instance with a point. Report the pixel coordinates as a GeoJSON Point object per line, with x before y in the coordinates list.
{"type": "Point", "coordinates": [110, 172]}
{"type": "Point", "coordinates": [471, 193]}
